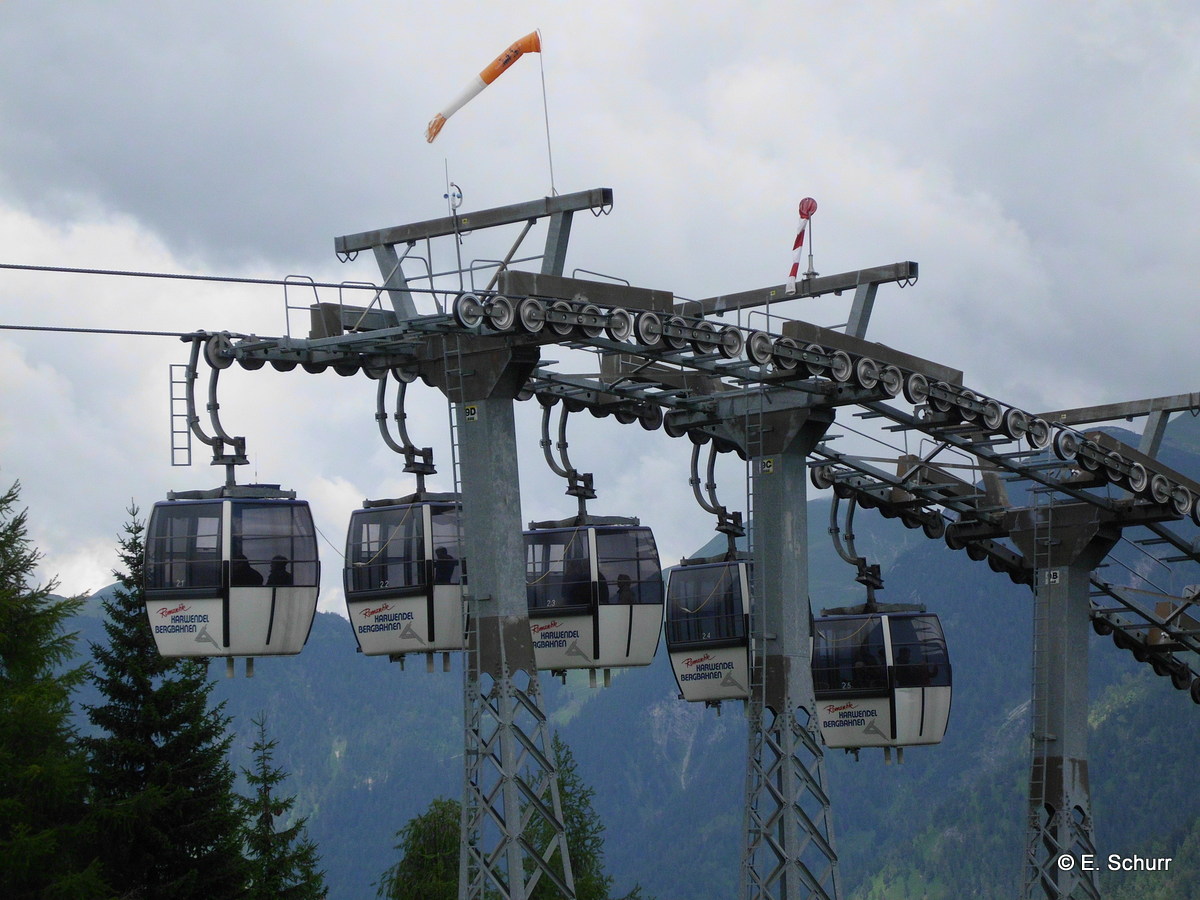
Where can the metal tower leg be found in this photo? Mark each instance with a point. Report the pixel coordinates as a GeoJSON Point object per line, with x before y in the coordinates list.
{"type": "Point", "coordinates": [1065, 543]}
{"type": "Point", "coordinates": [789, 850]}
{"type": "Point", "coordinates": [512, 824]}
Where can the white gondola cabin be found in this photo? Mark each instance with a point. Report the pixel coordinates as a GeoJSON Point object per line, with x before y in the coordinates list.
{"type": "Point", "coordinates": [404, 575]}
{"type": "Point", "coordinates": [595, 593]}
{"type": "Point", "coordinates": [707, 630]}
{"type": "Point", "coordinates": [881, 679]}
{"type": "Point", "coordinates": [231, 572]}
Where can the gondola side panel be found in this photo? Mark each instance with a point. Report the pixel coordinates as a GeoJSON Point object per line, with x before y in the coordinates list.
{"type": "Point", "coordinates": [718, 673]}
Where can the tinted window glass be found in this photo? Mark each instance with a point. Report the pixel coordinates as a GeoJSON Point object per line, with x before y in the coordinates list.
{"type": "Point", "coordinates": [558, 569]}
{"type": "Point", "coordinates": [274, 544]}
{"type": "Point", "coordinates": [919, 652]}
{"type": "Point", "coordinates": [848, 655]}
{"type": "Point", "coordinates": [628, 566]}
{"type": "Point", "coordinates": [704, 603]}
{"type": "Point", "coordinates": [385, 549]}
{"type": "Point", "coordinates": [447, 552]}
{"type": "Point", "coordinates": [183, 546]}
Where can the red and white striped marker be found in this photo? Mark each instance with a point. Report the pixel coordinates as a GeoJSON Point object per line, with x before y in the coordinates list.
{"type": "Point", "coordinates": [808, 206]}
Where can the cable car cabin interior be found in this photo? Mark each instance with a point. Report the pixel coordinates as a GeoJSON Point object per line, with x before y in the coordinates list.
{"type": "Point", "coordinates": [707, 629]}
{"type": "Point", "coordinates": [231, 575]}
{"type": "Point", "coordinates": [404, 575]}
{"type": "Point", "coordinates": [881, 679]}
{"type": "Point", "coordinates": [595, 593]}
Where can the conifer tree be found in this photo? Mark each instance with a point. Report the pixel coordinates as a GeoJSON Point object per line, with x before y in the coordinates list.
{"type": "Point", "coordinates": [283, 863]}
{"type": "Point", "coordinates": [161, 778]}
{"type": "Point", "coordinates": [44, 839]}
{"type": "Point", "coordinates": [428, 865]}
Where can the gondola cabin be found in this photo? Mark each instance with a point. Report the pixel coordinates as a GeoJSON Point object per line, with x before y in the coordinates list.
{"type": "Point", "coordinates": [707, 630]}
{"type": "Point", "coordinates": [881, 679]}
{"type": "Point", "coordinates": [231, 572]}
{"type": "Point", "coordinates": [404, 575]}
{"type": "Point", "coordinates": [595, 593]}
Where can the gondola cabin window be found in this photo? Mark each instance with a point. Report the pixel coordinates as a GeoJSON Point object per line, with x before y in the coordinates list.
{"type": "Point", "coordinates": [558, 570]}
{"type": "Point", "coordinates": [849, 655]}
{"type": "Point", "coordinates": [273, 544]}
{"type": "Point", "coordinates": [386, 552]}
{"type": "Point", "coordinates": [919, 652]}
{"type": "Point", "coordinates": [629, 570]}
{"type": "Point", "coordinates": [706, 604]}
{"type": "Point", "coordinates": [184, 547]}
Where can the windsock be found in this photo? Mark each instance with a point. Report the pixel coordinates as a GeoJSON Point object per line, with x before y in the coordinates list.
{"type": "Point", "coordinates": [808, 206]}
{"type": "Point", "coordinates": [531, 43]}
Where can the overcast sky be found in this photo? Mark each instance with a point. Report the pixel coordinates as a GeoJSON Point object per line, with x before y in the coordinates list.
{"type": "Point", "coordinates": [1039, 161]}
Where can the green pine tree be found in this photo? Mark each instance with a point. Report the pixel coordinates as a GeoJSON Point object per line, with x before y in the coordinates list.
{"type": "Point", "coordinates": [162, 782]}
{"type": "Point", "coordinates": [283, 863]}
{"type": "Point", "coordinates": [44, 837]}
{"type": "Point", "coordinates": [429, 844]}
{"type": "Point", "coordinates": [428, 865]}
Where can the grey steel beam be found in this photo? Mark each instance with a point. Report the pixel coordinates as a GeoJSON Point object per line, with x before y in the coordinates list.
{"type": "Point", "coordinates": [597, 198]}
{"type": "Point", "coordinates": [811, 287]}
{"type": "Point", "coordinates": [788, 848]}
{"type": "Point", "coordinates": [1065, 542]}
{"type": "Point", "coordinates": [1111, 412]}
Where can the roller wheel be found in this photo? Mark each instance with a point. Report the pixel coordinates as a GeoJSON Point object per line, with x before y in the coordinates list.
{"type": "Point", "coordinates": [1015, 423]}
{"type": "Point", "coordinates": [1160, 667]}
{"type": "Point", "coordinates": [731, 343]}
{"type": "Point", "coordinates": [1182, 500]}
{"type": "Point", "coordinates": [1138, 478]}
{"type": "Point", "coordinates": [1181, 677]}
{"type": "Point", "coordinates": [562, 329]}
{"type": "Point", "coordinates": [992, 415]}
{"type": "Point", "coordinates": [816, 368]}
{"type": "Point", "coordinates": [406, 374]}
{"type": "Point", "coordinates": [620, 325]}
{"type": "Point", "coordinates": [1194, 690]}
{"type": "Point", "coordinates": [934, 526]}
{"type": "Point", "coordinates": [891, 380]}
{"type": "Point", "coordinates": [346, 369]}
{"type": "Point", "coordinates": [1066, 445]}
{"type": "Point", "coordinates": [676, 341]}
{"type": "Point", "coordinates": [501, 314]}
{"type": "Point", "coordinates": [252, 365]}
{"type": "Point", "coordinates": [758, 348]}
{"type": "Point", "coordinates": [1160, 488]}
{"type": "Point", "coordinates": [840, 366]}
{"type": "Point", "coordinates": [650, 417]}
{"type": "Point", "coordinates": [866, 372]}
{"type": "Point", "coordinates": [1089, 455]}
{"type": "Point", "coordinates": [966, 412]}
{"type": "Point", "coordinates": [283, 365]}
{"type": "Point", "coordinates": [314, 368]}
{"type": "Point", "coordinates": [916, 388]}
{"type": "Point", "coordinates": [1101, 626]}
{"type": "Point", "coordinates": [821, 477]}
{"type": "Point", "coordinates": [1113, 467]}
{"type": "Point", "coordinates": [214, 347]}
{"type": "Point", "coordinates": [593, 324]}
{"type": "Point", "coordinates": [625, 415]}
{"type": "Point", "coordinates": [672, 426]}
{"type": "Point", "coordinates": [704, 337]}
{"type": "Point", "coordinates": [1038, 434]}
{"type": "Point", "coordinates": [783, 362]}
{"type": "Point", "coordinates": [941, 404]}
{"type": "Point", "coordinates": [468, 311]}
{"type": "Point", "coordinates": [648, 327]}
{"type": "Point", "coordinates": [531, 315]}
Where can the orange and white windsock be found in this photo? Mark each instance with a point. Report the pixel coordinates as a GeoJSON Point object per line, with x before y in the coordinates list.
{"type": "Point", "coordinates": [531, 43]}
{"type": "Point", "coordinates": [808, 206]}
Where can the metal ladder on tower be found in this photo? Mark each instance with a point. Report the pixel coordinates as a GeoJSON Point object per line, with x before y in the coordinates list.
{"type": "Point", "coordinates": [181, 431]}
{"type": "Point", "coordinates": [1037, 880]}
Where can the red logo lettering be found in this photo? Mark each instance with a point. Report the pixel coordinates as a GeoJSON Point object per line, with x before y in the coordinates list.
{"type": "Point", "coordinates": [832, 709]}
{"type": "Point", "coordinates": [695, 661]}
{"type": "Point", "coordinates": [538, 629]}
{"type": "Point", "coordinates": [164, 612]}
{"type": "Point", "coordinates": [373, 612]}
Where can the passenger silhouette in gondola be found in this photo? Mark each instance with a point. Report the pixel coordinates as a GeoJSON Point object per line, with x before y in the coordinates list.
{"type": "Point", "coordinates": [444, 565]}
{"type": "Point", "coordinates": [243, 574]}
{"type": "Point", "coordinates": [279, 576]}
{"type": "Point", "coordinates": [577, 583]}
{"type": "Point", "coordinates": [625, 592]}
